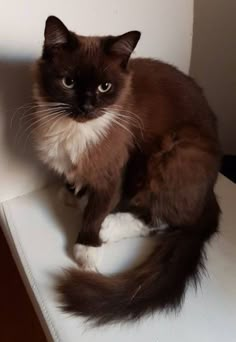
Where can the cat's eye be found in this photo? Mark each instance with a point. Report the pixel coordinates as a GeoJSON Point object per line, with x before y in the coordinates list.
{"type": "Point", "coordinates": [104, 87]}
{"type": "Point", "coordinates": [68, 82]}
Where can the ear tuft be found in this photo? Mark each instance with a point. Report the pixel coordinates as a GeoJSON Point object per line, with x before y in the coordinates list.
{"type": "Point", "coordinates": [55, 32]}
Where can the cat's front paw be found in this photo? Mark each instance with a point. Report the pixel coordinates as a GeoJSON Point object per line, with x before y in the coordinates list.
{"type": "Point", "coordinates": [87, 257]}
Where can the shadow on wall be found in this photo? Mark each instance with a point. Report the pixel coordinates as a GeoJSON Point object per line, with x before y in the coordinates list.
{"type": "Point", "coordinates": [213, 62]}
{"type": "Point", "coordinates": [15, 93]}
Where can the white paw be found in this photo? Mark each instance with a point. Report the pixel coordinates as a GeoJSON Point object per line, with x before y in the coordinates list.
{"type": "Point", "coordinates": [108, 228]}
{"type": "Point", "coordinates": [120, 226]}
{"type": "Point", "coordinates": [87, 257]}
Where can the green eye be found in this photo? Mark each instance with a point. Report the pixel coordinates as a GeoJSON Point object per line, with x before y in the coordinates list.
{"type": "Point", "coordinates": [104, 87]}
{"type": "Point", "coordinates": [68, 82]}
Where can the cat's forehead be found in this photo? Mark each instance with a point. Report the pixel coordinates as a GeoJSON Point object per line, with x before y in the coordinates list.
{"type": "Point", "coordinates": [88, 55]}
{"type": "Point", "coordinates": [90, 51]}
{"type": "Point", "coordinates": [89, 44]}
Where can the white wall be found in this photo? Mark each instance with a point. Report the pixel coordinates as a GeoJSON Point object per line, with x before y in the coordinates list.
{"type": "Point", "coordinates": [166, 26]}
{"type": "Point", "coordinates": [214, 62]}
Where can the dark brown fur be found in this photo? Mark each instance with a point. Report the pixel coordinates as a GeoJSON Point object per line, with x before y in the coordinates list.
{"type": "Point", "coordinates": [167, 172]}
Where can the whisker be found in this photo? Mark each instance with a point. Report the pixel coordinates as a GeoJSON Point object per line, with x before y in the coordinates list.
{"type": "Point", "coordinates": [121, 125]}
{"type": "Point", "coordinates": [46, 107]}
{"type": "Point", "coordinates": [42, 117]}
{"type": "Point", "coordinates": [30, 106]}
{"type": "Point", "coordinates": [128, 119]}
{"type": "Point", "coordinates": [131, 121]}
{"type": "Point", "coordinates": [121, 109]}
{"type": "Point", "coordinates": [116, 120]}
{"type": "Point", "coordinates": [131, 118]}
{"type": "Point", "coordinates": [42, 113]}
{"type": "Point", "coordinates": [32, 128]}
{"type": "Point", "coordinates": [50, 117]}
{"type": "Point", "coordinates": [58, 119]}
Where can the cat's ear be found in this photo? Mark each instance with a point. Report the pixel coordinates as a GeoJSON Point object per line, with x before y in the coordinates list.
{"type": "Point", "coordinates": [123, 45]}
{"type": "Point", "coordinates": [55, 33]}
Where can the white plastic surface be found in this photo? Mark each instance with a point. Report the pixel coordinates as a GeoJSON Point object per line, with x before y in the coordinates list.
{"type": "Point", "coordinates": [41, 232]}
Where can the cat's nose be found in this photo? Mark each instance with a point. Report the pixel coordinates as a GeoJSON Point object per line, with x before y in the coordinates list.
{"type": "Point", "coordinates": [87, 107]}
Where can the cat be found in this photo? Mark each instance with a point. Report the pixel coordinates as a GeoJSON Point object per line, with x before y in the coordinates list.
{"type": "Point", "coordinates": [136, 136]}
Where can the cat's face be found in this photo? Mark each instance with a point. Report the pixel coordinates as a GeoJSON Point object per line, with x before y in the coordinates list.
{"type": "Point", "coordinates": [88, 74]}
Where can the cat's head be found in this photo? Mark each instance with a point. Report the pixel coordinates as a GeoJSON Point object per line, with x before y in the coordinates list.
{"type": "Point", "coordinates": [88, 74]}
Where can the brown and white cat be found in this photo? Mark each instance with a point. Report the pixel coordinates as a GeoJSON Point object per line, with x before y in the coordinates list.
{"type": "Point", "coordinates": [137, 136]}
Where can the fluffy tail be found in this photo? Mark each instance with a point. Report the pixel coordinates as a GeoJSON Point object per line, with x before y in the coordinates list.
{"type": "Point", "coordinates": [159, 283]}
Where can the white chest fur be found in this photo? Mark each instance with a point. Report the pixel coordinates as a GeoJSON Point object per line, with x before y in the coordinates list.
{"type": "Point", "coordinates": [62, 143]}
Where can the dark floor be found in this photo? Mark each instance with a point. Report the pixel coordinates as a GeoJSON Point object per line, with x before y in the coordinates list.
{"type": "Point", "coordinates": [18, 321]}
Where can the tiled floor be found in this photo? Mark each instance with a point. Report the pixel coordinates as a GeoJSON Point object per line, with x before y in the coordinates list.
{"type": "Point", "coordinates": [18, 321]}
